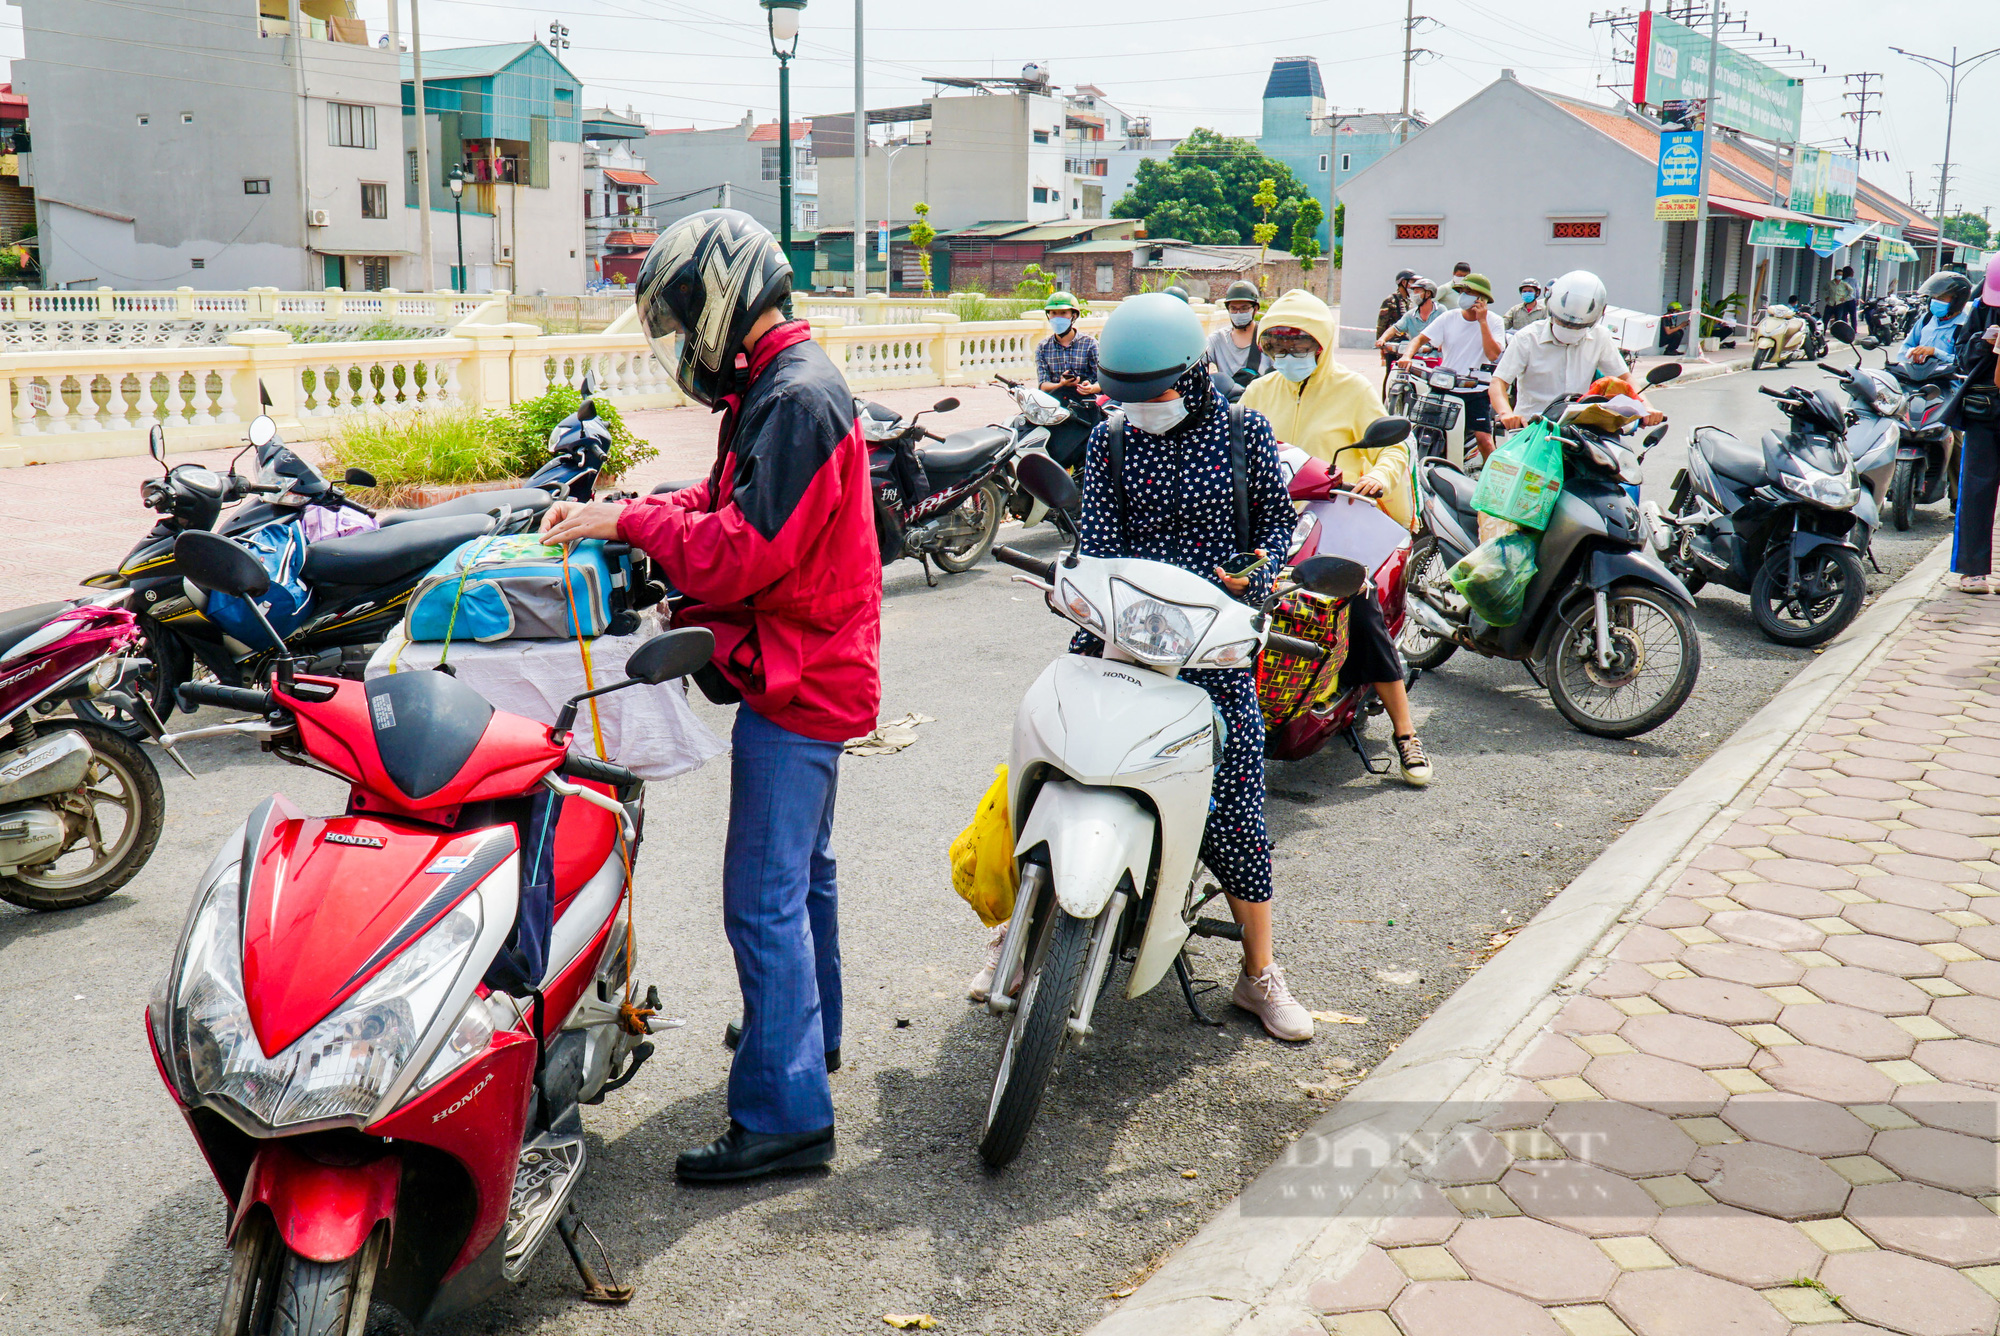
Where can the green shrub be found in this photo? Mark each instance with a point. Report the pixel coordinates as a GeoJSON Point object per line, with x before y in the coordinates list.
{"type": "Point", "coordinates": [432, 445]}
{"type": "Point", "coordinates": [523, 431]}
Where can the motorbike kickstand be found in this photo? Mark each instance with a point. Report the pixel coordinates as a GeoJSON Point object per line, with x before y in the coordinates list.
{"type": "Point", "coordinates": [595, 1291]}
{"type": "Point", "coordinates": [1188, 991]}
{"type": "Point", "coordinates": [1353, 736]}
{"type": "Point", "coordinates": [930, 578]}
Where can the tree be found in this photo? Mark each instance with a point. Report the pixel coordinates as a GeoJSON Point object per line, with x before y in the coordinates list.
{"type": "Point", "coordinates": [1207, 190]}
{"type": "Point", "coordinates": [922, 234]}
{"type": "Point", "coordinates": [1266, 199]}
{"type": "Point", "coordinates": [1036, 283]}
{"type": "Point", "coordinates": [1970, 228]}
{"type": "Point", "coordinates": [1305, 235]}
{"type": "Point", "coordinates": [1339, 234]}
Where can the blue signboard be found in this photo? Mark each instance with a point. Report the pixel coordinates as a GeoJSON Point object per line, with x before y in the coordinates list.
{"type": "Point", "coordinates": [1679, 186]}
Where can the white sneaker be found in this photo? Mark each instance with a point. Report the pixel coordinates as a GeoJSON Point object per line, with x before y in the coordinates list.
{"type": "Point", "coordinates": [982, 983]}
{"type": "Point", "coordinates": [1410, 759]}
{"type": "Point", "coordinates": [1268, 999]}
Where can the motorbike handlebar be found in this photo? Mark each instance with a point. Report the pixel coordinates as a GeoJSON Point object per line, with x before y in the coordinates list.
{"type": "Point", "coordinates": [191, 694]}
{"type": "Point", "coordinates": [1021, 561]}
{"type": "Point", "coordinates": [1775, 394]}
{"type": "Point", "coordinates": [1832, 370]}
{"type": "Point", "coordinates": [1300, 649]}
{"type": "Point", "coordinates": [577, 766]}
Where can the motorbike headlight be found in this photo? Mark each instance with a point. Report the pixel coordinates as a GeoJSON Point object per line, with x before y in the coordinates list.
{"type": "Point", "coordinates": [1080, 608]}
{"type": "Point", "coordinates": [1153, 630]}
{"type": "Point", "coordinates": [1826, 489]}
{"type": "Point", "coordinates": [1236, 654]}
{"type": "Point", "coordinates": [344, 1066]}
{"type": "Point", "coordinates": [1892, 405]}
{"type": "Point", "coordinates": [880, 430]}
{"type": "Point", "coordinates": [1040, 408]}
{"type": "Point", "coordinates": [482, 1017]}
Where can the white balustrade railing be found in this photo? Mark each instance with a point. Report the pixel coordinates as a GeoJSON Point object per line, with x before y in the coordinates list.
{"type": "Point", "coordinates": [107, 316]}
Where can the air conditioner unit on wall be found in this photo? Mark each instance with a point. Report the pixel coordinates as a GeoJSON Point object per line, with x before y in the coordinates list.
{"type": "Point", "coordinates": [319, 218]}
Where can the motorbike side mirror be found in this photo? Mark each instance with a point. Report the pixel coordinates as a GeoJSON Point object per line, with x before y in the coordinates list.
{"type": "Point", "coordinates": [1384, 432]}
{"type": "Point", "coordinates": [1663, 373]}
{"type": "Point", "coordinates": [945, 405]}
{"type": "Point", "coordinates": [587, 411]}
{"type": "Point", "coordinates": [1841, 330]}
{"type": "Point", "coordinates": [156, 445]}
{"type": "Point", "coordinates": [589, 387]}
{"type": "Point", "coordinates": [1048, 482]}
{"type": "Point", "coordinates": [215, 563]}
{"type": "Point", "coordinates": [358, 478]}
{"type": "Point", "coordinates": [1653, 437]}
{"type": "Point", "coordinates": [1330, 577]}
{"type": "Point", "coordinates": [1868, 341]}
{"type": "Point", "coordinates": [671, 655]}
{"type": "Point", "coordinates": [263, 431]}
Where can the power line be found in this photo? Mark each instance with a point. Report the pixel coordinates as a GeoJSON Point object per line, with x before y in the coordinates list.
{"type": "Point", "coordinates": [1861, 111]}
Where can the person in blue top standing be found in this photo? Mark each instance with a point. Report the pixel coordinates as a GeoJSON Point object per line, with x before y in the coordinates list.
{"type": "Point", "coordinates": [1066, 361]}
{"type": "Point", "coordinates": [1936, 334]}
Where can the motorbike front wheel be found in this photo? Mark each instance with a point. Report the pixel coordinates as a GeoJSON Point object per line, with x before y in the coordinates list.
{"type": "Point", "coordinates": [1655, 659]}
{"type": "Point", "coordinates": [113, 820]}
{"type": "Point", "coordinates": [1759, 358]}
{"type": "Point", "coordinates": [272, 1291]}
{"type": "Point", "coordinates": [1422, 650]}
{"type": "Point", "coordinates": [1036, 1035]}
{"type": "Point", "coordinates": [982, 523]}
{"type": "Point", "coordinates": [1827, 597]}
{"type": "Point", "coordinates": [1903, 494]}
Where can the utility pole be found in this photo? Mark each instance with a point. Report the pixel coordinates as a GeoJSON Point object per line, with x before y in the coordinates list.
{"type": "Point", "coordinates": [1409, 35]}
{"type": "Point", "coordinates": [1707, 151]}
{"type": "Point", "coordinates": [423, 149]}
{"type": "Point", "coordinates": [1861, 112]}
{"type": "Point", "coordinates": [860, 164]}
{"type": "Point", "coordinates": [1952, 72]}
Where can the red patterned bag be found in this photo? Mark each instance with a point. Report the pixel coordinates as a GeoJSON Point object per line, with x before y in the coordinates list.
{"type": "Point", "coordinates": [1287, 684]}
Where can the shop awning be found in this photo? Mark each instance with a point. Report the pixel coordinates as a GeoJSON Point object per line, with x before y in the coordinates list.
{"type": "Point", "coordinates": [1744, 208]}
{"type": "Point", "coordinates": [619, 176]}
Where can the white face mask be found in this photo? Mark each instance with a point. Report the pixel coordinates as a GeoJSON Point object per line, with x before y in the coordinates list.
{"type": "Point", "coordinates": [1566, 334]}
{"type": "Point", "coordinates": [1295, 367]}
{"type": "Point", "coordinates": [1242, 319]}
{"type": "Point", "coordinates": [1157, 419]}
{"type": "Point", "coordinates": [1466, 300]}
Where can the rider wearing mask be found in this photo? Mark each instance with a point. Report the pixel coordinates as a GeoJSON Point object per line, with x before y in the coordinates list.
{"type": "Point", "coordinates": [1174, 505]}
{"type": "Point", "coordinates": [1234, 349]}
{"type": "Point", "coordinates": [1936, 334]}
{"type": "Point", "coordinates": [1397, 304]}
{"type": "Point", "coordinates": [1561, 355]}
{"type": "Point", "coordinates": [1321, 407]}
{"type": "Point", "coordinates": [1526, 311]}
{"type": "Point", "coordinates": [1423, 310]}
{"type": "Point", "coordinates": [777, 555]}
{"type": "Point", "coordinates": [1840, 296]}
{"type": "Point", "coordinates": [1466, 339]}
{"type": "Point", "coordinates": [1066, 361]}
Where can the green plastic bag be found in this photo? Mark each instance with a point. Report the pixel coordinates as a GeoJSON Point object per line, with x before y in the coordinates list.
{"type": "Point", "coordinates": [1494, 576]}
{"type": "Point", "coordinates": [1522, 480]}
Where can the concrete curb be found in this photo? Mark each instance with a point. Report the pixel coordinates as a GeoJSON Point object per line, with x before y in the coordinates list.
{"type": "Point", "coordinates": [1245, 1276]}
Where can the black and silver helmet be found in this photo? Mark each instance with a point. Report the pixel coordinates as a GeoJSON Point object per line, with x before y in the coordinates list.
{"type": "Point", "coordinates": [704, 283]}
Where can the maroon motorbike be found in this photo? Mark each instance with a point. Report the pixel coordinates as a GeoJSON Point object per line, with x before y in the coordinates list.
{"type": "Point", "coordinates": [80, 803]}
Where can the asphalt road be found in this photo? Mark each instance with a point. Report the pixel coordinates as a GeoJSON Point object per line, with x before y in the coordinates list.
{"type": "Point", "coordinates": [1386, 898]}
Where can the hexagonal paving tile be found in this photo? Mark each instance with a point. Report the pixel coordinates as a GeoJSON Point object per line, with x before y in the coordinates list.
{"type": "Point", "coordinates": [1621, 978]}
{"type": "Point", "coordinates": [1621, 1137]}
{"type": "Point", "coordinates": [1688, 1303]}
{"type": "Point", "coordinates": [1986, 941]}
{"type": "Point", "coordinates": [1955, 1108]}
{"type": "Point", "coordinates": [1535, 1260]}
{"type": "Point", "coordinates": [1942, 1159]}
{"type": "Point", "coordinates": [1964, 1061]}
{"type": "Point", "coordinates": [1981, 976]}
{"type": "Point", "coordinates": [1775, 897]}
{"type": "Point", "coordinates": [1754, 927]}
{"type": "Point", "coordinates": [1549, 1057]}
{"type": "Point", "coordinates": [1675, 912]}
{"type": "Point", "coordinates": [1716, 1000]}
{"type": "Point", "coordinates": [1683, 1038]}
{"type": "Point", "coordinates": [1645, 944]}
{"type": "Point", "coordinates": [1456, 1307]}
{"type": "Point", "coordinates": [1850, 1030]}
{"type": "Point", "coordinates": [1886, 954]}
{"type": "Point", "coordinates": [1819, 1074]}
{"type": "Point", "coordinates": [1770, 1180]}
{"type": "Point", "coordinates": [1660, 1084]}
{"type": "Point", "coordinates": [1928, 896]}
{"type": "Point", "coordinates": [1816, 848]}
{"type": "Point", "coordinates": [1974, 1017]}
{"type": "Point", "coordinates": [1908, 1295]}
{"type": "Point", "coordinates": [1927, 1222]}
{"type": "Point", "coordinates": [1579, 1196]}
{"type": "Point", "coordinates": [1815, 876]}
{"type": "Point", "coordinates": [1941, 844]}
{"type": "Point", "coordinates": [1466, 1155]}
{"type": "Point", "coordinates": [1737, 1245]}
{"type": "Point", "coordinates": [1795, 1122]}
{"type": "Point", "coordinates": [1756, 966]}
{"type": "Point", "coordinates": [1900, 922]}
{"type": "Point", "coordinates": [1861, 809]}
{"type": "Point", "coordinates": [1870, 990]}
{"type": "Point", "coordinates": [1926, 869]}
{"type": "Point", "coordinates": [1371, 1282]}
{"type": "Point", "coordinates": [1959, 823]}
{"type": "Point", "coordinates": [1838, 827]}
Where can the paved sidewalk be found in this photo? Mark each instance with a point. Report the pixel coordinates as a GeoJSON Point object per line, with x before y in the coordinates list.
{"type": "Point", "coordinates": [1773, 1109]}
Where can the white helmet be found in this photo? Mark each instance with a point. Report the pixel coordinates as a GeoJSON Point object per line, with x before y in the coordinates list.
{"type": "Point", "coordinates": [1577, 299]}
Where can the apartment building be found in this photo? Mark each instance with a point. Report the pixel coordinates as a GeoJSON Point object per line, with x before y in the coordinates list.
{"type": "Point", "coordinates": [737, 166]}
{"type": "Point", "coordinates": [617, 229]}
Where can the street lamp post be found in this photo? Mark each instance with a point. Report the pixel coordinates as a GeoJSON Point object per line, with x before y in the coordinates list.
{"type": "Point", "coordinates": [782, 16]}
{"type": "Point", "coordinates": [458, 217]}
{"type": "Point", "coordinates": [1952, 71]}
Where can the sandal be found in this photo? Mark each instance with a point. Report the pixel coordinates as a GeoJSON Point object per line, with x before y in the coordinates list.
{"type": "Point", "coordinates": [1975, 584]}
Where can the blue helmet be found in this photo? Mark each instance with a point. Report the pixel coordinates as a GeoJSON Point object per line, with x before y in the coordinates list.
{"type": "Point", "coordinates": [1147, 343]}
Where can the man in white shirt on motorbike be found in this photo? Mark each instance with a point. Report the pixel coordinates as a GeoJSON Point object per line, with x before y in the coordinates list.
{"type": "Point", "coordinates": [1561, 355]}
{"type": "Point", "coordinates": [1466, 339]}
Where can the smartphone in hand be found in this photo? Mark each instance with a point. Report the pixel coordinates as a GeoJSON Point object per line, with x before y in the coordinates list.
{"type": "Point", "coordinates": [1244, 564]}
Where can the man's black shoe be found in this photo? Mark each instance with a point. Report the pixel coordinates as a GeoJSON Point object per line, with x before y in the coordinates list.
{"type": "Point", "coordinates": [732, 1035]}
{"type": "Point", "coordinates": [740, 1153]}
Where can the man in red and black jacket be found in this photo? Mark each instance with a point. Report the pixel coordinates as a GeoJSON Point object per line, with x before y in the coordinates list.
{"type": "Point", "coordinates": [778, 554]}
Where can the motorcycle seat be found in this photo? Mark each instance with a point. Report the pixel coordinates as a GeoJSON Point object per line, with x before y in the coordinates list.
{"type": "Point", "coordinates": [1732, 458]}
{"type": "Point", "coordinates": [21, 623]}
{"type": "Point", "coordinates": [1450, 483]}
{"type": "Point", "coordinates": [389, 554]}
{"type": "Point", "coordinates": [517, 499]}
{"type": "Point", "coordinates": [963, 452]}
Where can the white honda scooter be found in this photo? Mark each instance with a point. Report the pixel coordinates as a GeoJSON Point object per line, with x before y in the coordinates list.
{"type": "Point", "coordinates": [1112, 763]}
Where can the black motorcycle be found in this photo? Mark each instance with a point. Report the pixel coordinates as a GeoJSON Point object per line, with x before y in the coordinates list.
{"type": "Point", "coordinates": [1603, 625]}
{"type": "Point", "coordinates": [939, 503]}
{"type": "Point", "coordinates": [1784, 520]}
{"type": "Point", "coordinates": [1926, 446]}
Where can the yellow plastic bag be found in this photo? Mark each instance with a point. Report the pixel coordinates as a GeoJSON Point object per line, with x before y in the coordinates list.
{"type": "Point", "coordinates": [982, 857]}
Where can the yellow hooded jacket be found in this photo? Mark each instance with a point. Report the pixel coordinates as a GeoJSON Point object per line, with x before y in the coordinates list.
{"type": "Point", "coordinates": [1330, 408]}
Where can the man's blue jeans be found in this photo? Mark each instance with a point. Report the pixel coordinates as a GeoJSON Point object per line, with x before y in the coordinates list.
{"type": "Point", "coordinates": [780, 910]}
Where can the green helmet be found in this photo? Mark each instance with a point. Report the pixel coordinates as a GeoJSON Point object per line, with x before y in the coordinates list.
{"type": "Point", "coordinates": [1147, 343]}
{"type": "Point", "coordinates": [1061, 301]}
{"type": "Point", "coordinates": [1243, 290]}
{"type": "Point", "coordinates": [1177, 291]}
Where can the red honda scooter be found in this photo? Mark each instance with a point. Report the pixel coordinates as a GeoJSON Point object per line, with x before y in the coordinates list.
{"type": "Point", "coordinates": [381, 1025]}
{"type": "Point", "coordinates": [1336, 523]}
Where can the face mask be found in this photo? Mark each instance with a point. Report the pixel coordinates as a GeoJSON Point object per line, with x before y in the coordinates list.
{"type": "Point", "coordinates": [1156, 419]}
{"type": "Point", "coordinates": [1059, 323]}
{"type": "Point", "coordinates": [1465, 301]}
{"type": "Point", "coordinates": [1939, 310]}
{"type": "Point", "coordinates": [1563, 334]}
{"type": "Point", "coordinates": [1295, 367]}
{"type": "Point", "coordinates": [1528, 296]}
{"type": "Point", "coordinates": [1242, 319]}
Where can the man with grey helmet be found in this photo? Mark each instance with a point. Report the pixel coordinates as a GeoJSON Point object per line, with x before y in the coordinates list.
{"type": "Point", "coordinates": [1233, 351]}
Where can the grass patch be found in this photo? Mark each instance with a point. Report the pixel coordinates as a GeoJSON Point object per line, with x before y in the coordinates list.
{"type": "Point", "coordinates": [972, 306]}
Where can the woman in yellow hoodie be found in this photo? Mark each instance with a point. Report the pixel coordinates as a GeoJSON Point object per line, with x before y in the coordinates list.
{"type": "Point", "coordinates": [1321, 407]}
